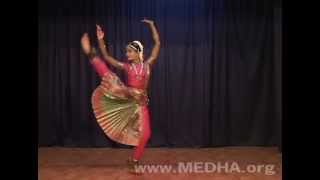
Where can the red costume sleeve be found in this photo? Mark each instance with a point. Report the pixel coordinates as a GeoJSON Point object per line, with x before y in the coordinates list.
{"type": "Point", "coordinates": [126, 66]}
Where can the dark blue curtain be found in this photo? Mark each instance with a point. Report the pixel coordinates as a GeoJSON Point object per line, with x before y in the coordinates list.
{"type": "Point", "coordinates": [217, 81]}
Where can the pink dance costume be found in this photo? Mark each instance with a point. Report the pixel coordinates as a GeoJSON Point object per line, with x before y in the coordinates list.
{"type": "Point", "coordinates": [122, 110]}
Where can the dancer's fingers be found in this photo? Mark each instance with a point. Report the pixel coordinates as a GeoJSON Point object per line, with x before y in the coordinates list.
{"type": "Point", "coordinates": [85, 35]}
{"type": "Point", "coordinates": [98, 27]}
{"type": "Point", "coordinates": [147, 21]}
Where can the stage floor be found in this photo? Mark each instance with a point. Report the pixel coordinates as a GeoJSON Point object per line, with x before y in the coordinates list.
{"type": "Point", "coordinates": [258, 163]}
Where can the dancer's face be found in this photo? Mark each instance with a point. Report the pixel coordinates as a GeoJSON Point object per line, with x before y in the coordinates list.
{"type": "Point", "coordinates": [132, 54]}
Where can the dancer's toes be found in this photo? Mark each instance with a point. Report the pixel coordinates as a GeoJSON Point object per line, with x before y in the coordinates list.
{"type": "Point", "coordinates": [133, 166]}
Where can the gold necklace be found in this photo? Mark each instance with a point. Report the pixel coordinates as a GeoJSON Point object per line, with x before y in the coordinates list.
{"type": "Point", "coordinates": [138, 76]}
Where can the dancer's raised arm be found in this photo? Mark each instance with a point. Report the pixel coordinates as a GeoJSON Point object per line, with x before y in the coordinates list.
{"type": "Point", "coordinates": [111, 60]}
{"type": "Point", "coordinates": [156, 48]}
{"type": "Point", "coordinates": [86, 46]}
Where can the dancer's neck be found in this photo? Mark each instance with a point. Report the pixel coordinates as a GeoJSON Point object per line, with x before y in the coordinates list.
{"type": "Point", "coordinates": [136, 61]}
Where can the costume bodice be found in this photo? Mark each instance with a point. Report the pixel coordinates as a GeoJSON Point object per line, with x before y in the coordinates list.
{"type": "Point", "coordinates": [137, 75]}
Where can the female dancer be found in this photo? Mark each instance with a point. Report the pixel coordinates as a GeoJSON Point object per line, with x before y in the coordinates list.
{"type": "Point", "coordinates": [121, 110]}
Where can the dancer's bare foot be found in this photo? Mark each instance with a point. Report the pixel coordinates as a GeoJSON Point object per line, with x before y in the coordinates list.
{"type": "Point", "coordinates": [132, 165]}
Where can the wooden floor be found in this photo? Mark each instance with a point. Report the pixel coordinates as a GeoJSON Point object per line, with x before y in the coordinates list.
{"type": "Point", "coordinates": [110, 163]}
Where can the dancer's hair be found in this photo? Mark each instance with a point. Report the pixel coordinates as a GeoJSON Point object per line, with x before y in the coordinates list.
{"type": "Point", "coordinates": [138, 47]}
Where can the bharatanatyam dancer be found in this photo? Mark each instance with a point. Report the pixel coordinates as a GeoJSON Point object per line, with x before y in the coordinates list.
{"type": "Point", "coordinates": [122, 110]}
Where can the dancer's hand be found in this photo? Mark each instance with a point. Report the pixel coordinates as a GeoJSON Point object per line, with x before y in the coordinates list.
{"type": "Point", "coordinates": [148, 21]}
{"type": "Point", "coordinates": [140, 96]}
{"type": "Point", "coordinates": [100, 33]}
{"type": "Point", "coordinates": [85, 43]}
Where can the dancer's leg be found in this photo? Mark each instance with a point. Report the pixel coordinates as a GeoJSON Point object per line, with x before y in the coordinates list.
{"type": "Point", "coordinates": [98, 64]}
{"type": "Point", "coordinates": [146, 133]}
